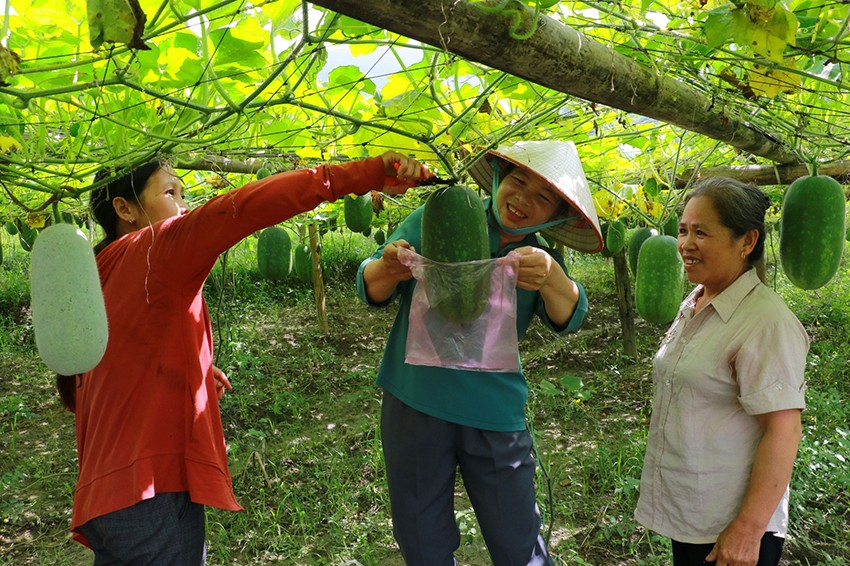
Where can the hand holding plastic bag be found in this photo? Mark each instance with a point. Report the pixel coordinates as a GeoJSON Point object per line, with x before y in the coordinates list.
{"type": "Point", "coordinates": [463, 315]}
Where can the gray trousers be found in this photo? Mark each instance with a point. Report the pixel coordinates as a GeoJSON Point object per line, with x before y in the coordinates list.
{"type": "Point", "coordinates": [422, 456]}
{"type": "Point", "coordinates": [165, 530]}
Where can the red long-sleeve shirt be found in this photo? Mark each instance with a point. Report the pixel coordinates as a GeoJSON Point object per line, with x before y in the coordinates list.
{"type": "Point", "coordinates": [147, 416]}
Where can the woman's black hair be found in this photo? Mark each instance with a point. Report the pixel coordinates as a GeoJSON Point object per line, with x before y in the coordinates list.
{"type": "Point", "coordinates": [741, 208]}
{"type": "Point", "coordinates": [128, 186]}
{"type": "Point", "coordinates": [67, 386]}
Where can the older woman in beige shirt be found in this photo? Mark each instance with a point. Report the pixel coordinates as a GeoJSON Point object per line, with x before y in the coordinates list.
{"type": "Point", "coordinates": [729, 390]}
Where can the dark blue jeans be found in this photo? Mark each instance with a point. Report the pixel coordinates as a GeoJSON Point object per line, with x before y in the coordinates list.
{"type": "Point", "coordinates": [166, 530]}
{"type": "Point", "coordinates": [422, 456]}
{"type": "Point", "coordinates": [694, 554]}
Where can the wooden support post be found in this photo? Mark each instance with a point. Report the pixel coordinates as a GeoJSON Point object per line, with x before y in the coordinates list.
{"type": "Point", "coordinates": [318, 281]}
{"type": "Point", "coordinates": [625, 302]}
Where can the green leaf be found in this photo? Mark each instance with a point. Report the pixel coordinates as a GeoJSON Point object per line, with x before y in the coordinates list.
{"type": "Point", "coordinates": [402, 103]}
{"type": "Point", "coordinates": [547, 388]}
{"type": "Point", "coordinates": [185, 40]}
{"type": "Point", "coordinates": [349, 27]}
{"type": "Point", "coordinates": [350, 77]}
{"type": "Point", "coordinates": [640, 142]}
{"type": "Point", "coordinates": [283, 13]}
{"type": "Point", "coordinates": [716, 29]}
{"type": "Point", "coordinates": [230, 45]}
{"type": "Point", "coordinates": [584, 395]}
{"type": "Point", "coordinates": [650, 187]}
{"type": "Point", "coordinates": [177, 4]}
{"type": "Point", "coordinates": [722, 27]}
{"type": "Point", "coordinates": [174, 67]}
{"type": "Point", "coordinates": [806, 22]}
{"type": "Point", "coordinates": [571, 382]}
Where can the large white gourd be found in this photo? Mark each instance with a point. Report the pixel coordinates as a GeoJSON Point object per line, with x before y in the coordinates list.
{"type": "Point", "coordinates": [68, 313]}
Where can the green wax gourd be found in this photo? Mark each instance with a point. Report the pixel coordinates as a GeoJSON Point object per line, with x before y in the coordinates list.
{"type": "Point", "coordinates": [357, 212]}
{"type": "Point", "coordinates": [274, 253]}
{"type": "Point", "coordinates": [302, 262]}
{"type": "Point", "coordinates": [639, 236]}
{"type": "Point", "coordinates": [811, 240]}
{"type": "Point", "coordinates": [454, 230]}
{"type": "Point", "coordinates": [660, 279]}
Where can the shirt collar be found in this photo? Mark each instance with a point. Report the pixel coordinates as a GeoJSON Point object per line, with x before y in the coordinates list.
{"type": "Point", "coordinates": [726, 303]}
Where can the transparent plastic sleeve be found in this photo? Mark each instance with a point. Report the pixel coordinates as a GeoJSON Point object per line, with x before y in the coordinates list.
{"type": "Point", "coordinates": [463, 315]}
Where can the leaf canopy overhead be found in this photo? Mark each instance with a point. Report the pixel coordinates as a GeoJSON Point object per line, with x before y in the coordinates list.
{"type": "Point", "coordinates": [240, 85]}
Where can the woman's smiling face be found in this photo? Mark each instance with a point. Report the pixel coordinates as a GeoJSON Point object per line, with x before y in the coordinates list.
{"type": "Point", "coordinates": [712, 255]}
{"type": "Point", "coordinates": [525, 200]}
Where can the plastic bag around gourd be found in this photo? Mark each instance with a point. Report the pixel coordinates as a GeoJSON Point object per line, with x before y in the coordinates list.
{"type": "Point", "coordinates": [463, 315]}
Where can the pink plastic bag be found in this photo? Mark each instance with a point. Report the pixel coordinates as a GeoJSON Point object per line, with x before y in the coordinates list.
{"type": "Point", "coordinates": [446, 329]}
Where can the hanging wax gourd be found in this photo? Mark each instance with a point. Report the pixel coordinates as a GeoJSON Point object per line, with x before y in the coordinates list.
{"type": "Point", "coordinates": [454, 230]}
{"type": "Point", "coordinates": [274, 253]}
{"type": "Point", "coordinates": [812, 234]}
{"type": "Point", "coordinates": [659, 283]}
{"type": "Point", "coordinates": [68, 312]}
{"type": "Point", "coordinates": [357, 212]}
{"type": "Point", "coordinates": [302, 262]}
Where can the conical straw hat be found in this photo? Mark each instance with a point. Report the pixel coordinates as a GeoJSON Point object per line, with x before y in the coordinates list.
{"type": "Point", "coordinates": [557, 163]}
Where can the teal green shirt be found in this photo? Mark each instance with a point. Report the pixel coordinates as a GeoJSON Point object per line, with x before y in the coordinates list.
{"type": "Point", "coordinates": [481, 399]}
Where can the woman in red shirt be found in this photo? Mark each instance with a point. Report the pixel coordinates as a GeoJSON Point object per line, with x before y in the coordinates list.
{"type": "Point", "coordinates": [150, 442]}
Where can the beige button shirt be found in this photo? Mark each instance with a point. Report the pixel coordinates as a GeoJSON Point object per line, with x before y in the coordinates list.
{"type": "Point", "coordinates": [742, 355]}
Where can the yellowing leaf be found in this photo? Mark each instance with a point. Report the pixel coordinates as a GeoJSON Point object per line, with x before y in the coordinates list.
{"type": "Point", "coordinates": [36, 220]}
{"type": "Point", "coordinates": [766, 44]}
{"type": "Point", "coordinates": [176, 57]}
{"type": "Point", "coordinates": [652, 208]}
{"type": "Point", "coordinates": [116, 21]}
{"type": "Point", "coordinates": [9, 65]}
{"type": "Point", "coordinates": [762, 11]}
{"type": "Point", "coordinates": [764, 27]}
{"type": "Point", "coordinates": [396, 85]}
{"type": "Point", "coordinates": [364, 48]}
{"type": "Point", "coordinates": [9, 145]}
{"type": "Point", "coordinates": [604, 202]}
{"type": "Point", "coordinates": [770, 82]}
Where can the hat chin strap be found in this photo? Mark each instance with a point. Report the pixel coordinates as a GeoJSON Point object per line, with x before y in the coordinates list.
{"type": "Point", "coordinates": [519, 231]}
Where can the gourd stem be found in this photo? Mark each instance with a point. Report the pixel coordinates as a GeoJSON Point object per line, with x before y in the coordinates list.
{"type": "Point", "coordinates": [57, 218]}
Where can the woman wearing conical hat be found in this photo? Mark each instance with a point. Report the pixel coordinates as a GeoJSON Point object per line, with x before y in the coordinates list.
{"type": "Point", "coordinates": [438, 420]}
